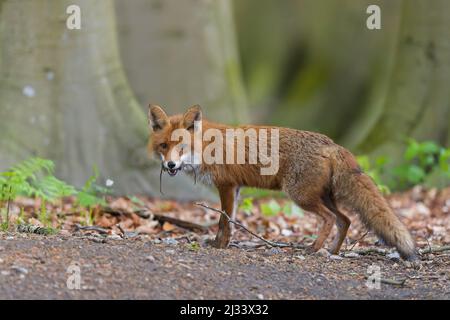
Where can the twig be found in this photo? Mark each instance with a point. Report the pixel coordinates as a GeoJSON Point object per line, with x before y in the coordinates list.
{"type": "Point", "coordinates": [399, 282]}
{"type": "Point", "coordinates": [382, 251]}
{"type": "Point", "coordinates": [356, 242]}
{"type": "Point", "coordinates": [434, 249]}
{"type": "Point", "coordinates": [270, 243]}
{"type": "Point", "coordinates": [121, 230]}
{"type": "Point", "coordinates": [246, 244]}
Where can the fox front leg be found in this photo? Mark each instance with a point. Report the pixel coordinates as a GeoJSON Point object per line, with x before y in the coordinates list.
{"type": "Point", "coordinates": [228, 199]}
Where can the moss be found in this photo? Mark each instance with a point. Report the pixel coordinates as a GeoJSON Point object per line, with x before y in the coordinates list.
{"type": "Point", "coordinates": [233, 74]}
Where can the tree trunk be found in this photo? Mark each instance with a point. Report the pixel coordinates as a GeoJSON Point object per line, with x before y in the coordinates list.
{"type": "Point", "coordinates": [267, 38]}
{"type": "Point", "coordinates": [417, 103]}
{"type": "Point", "coordinates": [316, 66]}
{"type": "Point", "coordinates": [181, 53]}
{"type": "Point", "coordinates": [64, 96]}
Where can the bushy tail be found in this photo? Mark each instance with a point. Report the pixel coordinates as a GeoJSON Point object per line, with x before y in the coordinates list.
{"type": "Point", "coordinates": [358, 192]}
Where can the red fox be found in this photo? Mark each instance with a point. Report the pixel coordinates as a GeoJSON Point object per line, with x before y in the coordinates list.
{"type": "Point", "coordinates": [317, 174]}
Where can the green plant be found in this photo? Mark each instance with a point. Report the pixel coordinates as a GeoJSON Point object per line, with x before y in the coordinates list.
{"type": "Point", "coordinates": [43, 215]}
{"type": "Point", "coordinates": [271, 208]}
{"type": "Point", "coordinates": [421, 160]}
{"type": "Point", "coordinates": [137, 201]}
{"type": "Point", "coordinates": [33, 178]}
{"type": "Point", "coordinates": [261, 193]}
{"type": "Point", "coordinates": [92, 194]}
{"type": "Point", "coordinates": [375, 170]}
{"type": "Point", "coordinates": [422, 163]}
{"type": "Point", "coordinates": [291, 208]}
{"type": "Point", "coordinates": [247, 206]}
{"type": "Point", "coordinates": [193, 246]}
{"type": "Point", "coordinates": [4, 226]}
{"type": "Point", "coordinates": [21, 218]}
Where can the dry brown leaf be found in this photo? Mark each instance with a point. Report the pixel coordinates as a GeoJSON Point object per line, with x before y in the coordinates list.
{"type": "Point", "coordinates": [168, 226]}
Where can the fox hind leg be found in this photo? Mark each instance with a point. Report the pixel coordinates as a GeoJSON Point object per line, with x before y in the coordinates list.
{"type": "Point", "coordinates": [342, 224]}
{"type": "Point", "coordinates": [329, 219]}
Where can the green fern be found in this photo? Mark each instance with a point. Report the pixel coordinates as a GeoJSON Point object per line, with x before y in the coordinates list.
{"type": "Point", "coordinates": [51, 188]}
{"type": "Point", "coordinates": [33, 178]}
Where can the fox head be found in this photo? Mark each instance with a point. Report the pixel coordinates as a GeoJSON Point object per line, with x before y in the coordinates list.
{"type": "Point", "coordinates": [172, 138]}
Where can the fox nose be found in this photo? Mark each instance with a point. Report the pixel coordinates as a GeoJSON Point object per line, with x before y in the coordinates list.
{"type": "Point", "coordinates": [171, 164]}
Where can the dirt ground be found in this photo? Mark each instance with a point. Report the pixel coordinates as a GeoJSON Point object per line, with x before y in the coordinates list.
{"type": "Point", "coordinates": [39, 267]}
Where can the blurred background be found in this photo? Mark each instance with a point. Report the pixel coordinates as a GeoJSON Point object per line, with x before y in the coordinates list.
{"type": "Point", "coordinates": [79, 97]}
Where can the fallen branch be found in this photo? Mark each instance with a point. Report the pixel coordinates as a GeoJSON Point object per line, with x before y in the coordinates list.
{"type": "Point", "coordinates": [143, 213]}
{"type": "Point", "coordinates": [114, 212]}
{"type": "Point", "coordinates": [92, 228]}
{"type": "Point", "coordinates": [365, 251]}
{"type": "Point", "coordinates": [181, 223]}
{"type": "Point", "coordinates": [268, 242]}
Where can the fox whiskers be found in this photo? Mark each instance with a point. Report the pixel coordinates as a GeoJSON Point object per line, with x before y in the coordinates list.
{"type": "Point", "coordinates": [163, 169]}
{"type": "Point", "coordinates": [160, 178]}
{"type": "Point", "coordinates": [193, 170]}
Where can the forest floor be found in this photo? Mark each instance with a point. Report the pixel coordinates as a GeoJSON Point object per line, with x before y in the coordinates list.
{"type": "Point", "coordinates": [131, 251]}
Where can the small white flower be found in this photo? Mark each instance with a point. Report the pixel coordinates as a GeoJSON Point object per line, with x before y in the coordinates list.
{"type": "Point", "coordinates": [29, 91]}
{"type": "Point", "coordinates": [109, 183]}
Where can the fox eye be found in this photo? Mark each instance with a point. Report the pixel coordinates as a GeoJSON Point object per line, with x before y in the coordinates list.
{"type": "Point", "coordinates": [163, 145]}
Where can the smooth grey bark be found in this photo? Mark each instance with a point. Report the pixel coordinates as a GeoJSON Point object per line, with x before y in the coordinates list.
{"type": "Point", "coordinates": [314, 65]}
{"type": "Point", "coordinates": [64, 96]}
{"type": "Point", "coordinates": [417, 102]}
{"type": "Point", "coordinates": [180, 53]}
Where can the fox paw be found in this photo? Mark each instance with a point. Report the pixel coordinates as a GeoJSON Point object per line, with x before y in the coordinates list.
{"type": "Point", "coordinates": [216, 244]}
{"type": "Point", "coordinates": [414, 263]}
{"type": "Point", "coordinates": [310, 250]}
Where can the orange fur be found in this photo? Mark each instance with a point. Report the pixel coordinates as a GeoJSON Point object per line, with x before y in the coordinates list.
{"type": "Point", "coordinates": [317, 174]}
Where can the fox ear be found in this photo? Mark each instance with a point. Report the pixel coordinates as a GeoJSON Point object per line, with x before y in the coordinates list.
{"type": "Point", "coordinates": [193, 114]}
{"type": "Point", "coordinates": [157, 118]}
